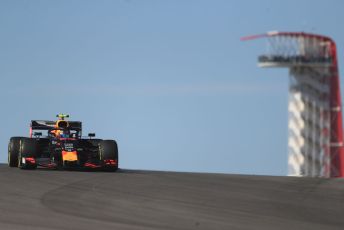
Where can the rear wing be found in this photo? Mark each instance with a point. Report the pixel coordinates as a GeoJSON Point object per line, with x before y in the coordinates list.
{"type": "Point", "coordinates": [47, 125]}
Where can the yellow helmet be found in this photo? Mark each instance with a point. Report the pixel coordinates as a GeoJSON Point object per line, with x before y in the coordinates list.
{"type": "Point", "coordinates": [62, 124]}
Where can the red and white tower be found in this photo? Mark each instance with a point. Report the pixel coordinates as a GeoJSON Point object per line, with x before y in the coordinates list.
{"type": "Point", "coordinates": [315, 112]}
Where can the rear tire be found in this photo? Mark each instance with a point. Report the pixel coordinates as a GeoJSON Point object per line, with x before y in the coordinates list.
{"type": "Point", "coordinates": [28, 149]}
{"type": "Point", "coordinates": [108, 150]}
{"type": "Point", "coordinates": [13, 151]}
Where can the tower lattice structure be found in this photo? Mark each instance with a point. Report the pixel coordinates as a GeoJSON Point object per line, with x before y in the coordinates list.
{"type": "Point", "coordinates": [315, 145]}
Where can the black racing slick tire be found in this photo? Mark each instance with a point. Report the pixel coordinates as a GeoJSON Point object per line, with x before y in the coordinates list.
{"type": "Point", "coordinates": [108, 150]}
{"type": "Point", "coordinates": [13, 151]}
{"type": "Point", "coordinates": [94, 142]}
{"type": "Point", "coordinates": [28, 149]}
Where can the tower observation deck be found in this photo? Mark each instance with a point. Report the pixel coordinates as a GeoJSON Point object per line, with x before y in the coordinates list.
{"type": "Point", "coordinates": [315, 145]}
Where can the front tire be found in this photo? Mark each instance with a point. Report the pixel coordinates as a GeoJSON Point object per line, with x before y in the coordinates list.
{"type": "Point", "coordinates": [108, 152]}
{"type": "Point", "coordinates": [13, 151]}
{"type": "Point", "coordinates": [28, 149]}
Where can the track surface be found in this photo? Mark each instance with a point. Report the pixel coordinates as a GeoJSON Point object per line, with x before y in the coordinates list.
{"type": "Point", "coordinates": [128, 199]}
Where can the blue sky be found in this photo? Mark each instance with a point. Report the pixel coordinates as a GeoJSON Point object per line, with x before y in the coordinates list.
{"type": "Point", "coordinates": [169, 80]}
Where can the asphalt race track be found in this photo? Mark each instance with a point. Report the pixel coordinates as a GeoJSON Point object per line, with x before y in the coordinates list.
{"type": "Point", "coordinates": [129, 199]}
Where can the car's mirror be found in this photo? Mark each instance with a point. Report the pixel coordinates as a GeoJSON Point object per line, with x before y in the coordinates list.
{"type": "Point", "coordinates": [91, 134]}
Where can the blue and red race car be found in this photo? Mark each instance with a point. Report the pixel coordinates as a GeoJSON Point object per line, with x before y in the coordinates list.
{"type": "Point", "coordinates": [63, 147]}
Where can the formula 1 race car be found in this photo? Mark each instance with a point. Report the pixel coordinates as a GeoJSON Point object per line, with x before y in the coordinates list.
{"type": "Point", "coordinates": [63, 147]}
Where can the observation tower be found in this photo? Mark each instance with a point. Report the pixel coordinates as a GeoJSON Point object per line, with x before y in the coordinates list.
{"type": "Point", "coordinates": [315, 145]}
